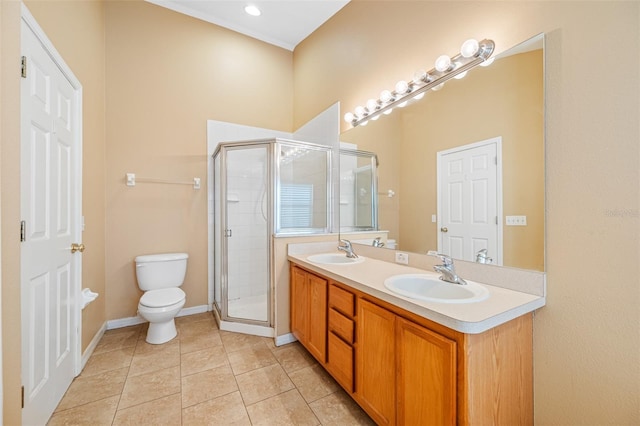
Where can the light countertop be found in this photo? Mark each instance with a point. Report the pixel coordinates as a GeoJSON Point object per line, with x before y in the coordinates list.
{"type": "Point", "coordinates": [502, 305]}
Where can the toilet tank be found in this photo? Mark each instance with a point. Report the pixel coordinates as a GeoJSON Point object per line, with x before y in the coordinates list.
{"type": "Point", "coordinates": [165, 270]}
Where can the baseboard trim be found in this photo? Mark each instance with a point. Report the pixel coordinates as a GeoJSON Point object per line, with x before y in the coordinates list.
{"type": "Point", "coordinates": [127, 322]}
{"type": "Point", "coordinates": [92, 346]}
{"type": "Point", "coordinates": [237, 327]}
{"type": "Point", "coordinates": [284, 339]}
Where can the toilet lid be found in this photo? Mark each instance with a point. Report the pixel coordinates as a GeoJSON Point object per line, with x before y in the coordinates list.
{"type": "Point", "coordinates": [162, 297]}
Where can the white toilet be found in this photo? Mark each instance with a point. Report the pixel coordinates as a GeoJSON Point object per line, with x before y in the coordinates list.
{"type": "Point", "coordinates": [160, 276]}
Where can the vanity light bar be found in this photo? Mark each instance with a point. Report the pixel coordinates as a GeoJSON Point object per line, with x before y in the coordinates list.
{"type": "Point", "coordinates": [472, 53]}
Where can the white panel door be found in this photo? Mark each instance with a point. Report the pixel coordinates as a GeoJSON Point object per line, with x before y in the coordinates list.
{"type": "Point", "coordinates": [469, 201]}
{"type": "Point", "coordinates": [50, 210]}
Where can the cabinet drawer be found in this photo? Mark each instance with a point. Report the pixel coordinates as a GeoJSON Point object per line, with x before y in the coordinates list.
{"type": "Point", "coordinates": [341, 325]}
{"type": "Point", "coordinates": [342, 300]}
{"type": "Point", "coordinates": [340, 362]}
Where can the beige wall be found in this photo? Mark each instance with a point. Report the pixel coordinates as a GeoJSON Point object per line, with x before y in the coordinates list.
{"type": "Point", "coordinates": [166, 75]}
{"type": "Point", "coordinates": [587, 338]}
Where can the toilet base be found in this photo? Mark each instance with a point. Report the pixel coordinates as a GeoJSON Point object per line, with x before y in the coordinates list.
{"type": "Point", "coordinates": [161, 332]}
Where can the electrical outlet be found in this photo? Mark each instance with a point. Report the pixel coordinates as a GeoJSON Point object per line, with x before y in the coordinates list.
{"type": "Point", "coordinates": [402, 258]}
{"type": "Point", "coordinates": [516, 220]}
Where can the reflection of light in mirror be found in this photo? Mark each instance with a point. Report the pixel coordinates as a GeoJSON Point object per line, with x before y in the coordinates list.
{"type": "Point", "coordinates": [487, 62]}
{"type": "Point", "coordinates": [402, 104]}
{"type": "Point", "coordinates": [359, 111]}
{"type": "Point", "coordinates": [438, 87]}
{"type": "Point", "coordinates": [460, 76]}
{"type": "Point", "coordinates": [349, 116]}
{"type": "Point", "coordinates": [418, 96]}
{"type": "Point", "coordinates": [389, 111]}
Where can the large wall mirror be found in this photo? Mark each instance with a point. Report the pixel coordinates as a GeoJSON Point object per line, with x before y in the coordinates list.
{"type": "Point", "coordinates": [462, 169]}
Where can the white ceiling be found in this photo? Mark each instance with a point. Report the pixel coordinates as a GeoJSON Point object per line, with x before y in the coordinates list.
{"type": "Point", "coordinates": [282, 23]}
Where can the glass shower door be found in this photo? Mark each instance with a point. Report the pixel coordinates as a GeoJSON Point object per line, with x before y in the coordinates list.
{"type": "Point", "coordinates": [246, 232]}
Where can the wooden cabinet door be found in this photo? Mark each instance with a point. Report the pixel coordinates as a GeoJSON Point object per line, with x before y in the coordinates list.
{"type": "Point", "coordinates": [426, 381]}
{"type": "Point", "coordinates": [375, 362]}
{"type": "Point", "coordinates": [317, 321]}
{"type": "Point", "coordinates": [299, 304]}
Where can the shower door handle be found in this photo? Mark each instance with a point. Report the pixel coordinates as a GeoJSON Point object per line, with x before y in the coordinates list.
{"type": "Point", "coordinates": [228, 233]}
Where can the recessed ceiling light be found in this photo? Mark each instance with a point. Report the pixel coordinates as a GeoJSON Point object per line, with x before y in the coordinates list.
{"type": "Point", "coordinates": [252, 10]}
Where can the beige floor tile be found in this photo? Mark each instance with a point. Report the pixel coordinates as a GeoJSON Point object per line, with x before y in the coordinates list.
{"type": "Point", "coordinates": [339, 409]}
{"type": "Point", "coordinates": [206, 359]}
{"type": "Point", "coordinates": [287, 408]}
{"type": "Point", "coordinates": [94, 413]}
{"type": "Point", "coordinates": [206, 385]}
{"type": "Point", "coordinates": [199, 341]}
{"type": "Point", "coordinates": [150, 386]}
{"type": "Point", "coordinates": [161, 411]}
{"type": "Point", "coordinates": [236, 341]}
{"type": "Point", "coordinates": [251, 358]}
{"type": "Point", "coordinates": [85, 389]}
{"type": "Point", "coordinates": [192, 328]}
{"type": "Point", "coordinates": [227, 410]}
{"type": "Point", "coordinates": [313, 382]}
{"type": "Point", "coordinates": [204, 316]}
{"type": "Point", "coordinates": [124, 338]}
{"type": "Point", "coordinates": [148, 357]}
{"type": "Point", "coordinates": [263, 383]}
{"type": "Point", "coordinates": [112, 360]}
{"type": "Point", "coordinates": [293, 357]}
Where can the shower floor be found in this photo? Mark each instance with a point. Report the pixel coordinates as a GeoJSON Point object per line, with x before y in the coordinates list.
{"type": "Point", "coordinates": [250, 307]}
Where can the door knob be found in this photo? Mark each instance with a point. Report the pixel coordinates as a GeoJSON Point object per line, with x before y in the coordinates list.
{"type": "Point", "coordinates": [444, 229]}
{"type": "Point", "coordinates": [77, 247]}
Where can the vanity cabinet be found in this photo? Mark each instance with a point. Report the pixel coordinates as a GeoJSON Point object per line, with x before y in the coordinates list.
{"type": "Point", "coordinates": [404, 369]}
{"type": "Point", "coordinates": [406, 373]}
{"type": "Point", "coordinates": [309, 311]}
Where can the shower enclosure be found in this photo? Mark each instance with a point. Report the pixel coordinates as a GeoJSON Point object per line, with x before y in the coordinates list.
{"type": "Point", "coordinates": [261, 188]}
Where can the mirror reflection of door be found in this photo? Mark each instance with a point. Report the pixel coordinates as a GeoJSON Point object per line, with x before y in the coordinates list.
{"type": "Point", "coordinates": [469, 194]}
{"type": "Point", "coordinates": [364, 197]}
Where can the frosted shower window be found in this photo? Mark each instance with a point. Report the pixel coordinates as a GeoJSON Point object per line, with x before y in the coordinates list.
{"type": "Point", "coordinates": [303, 189]}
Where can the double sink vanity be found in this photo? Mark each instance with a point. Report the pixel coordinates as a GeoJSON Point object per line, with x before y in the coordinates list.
{"type": "Point", "coordinates": [410, 348]}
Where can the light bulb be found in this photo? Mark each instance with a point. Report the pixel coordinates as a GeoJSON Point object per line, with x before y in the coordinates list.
{"type": "Point", "coordinates": [348, 117]}
{"type": "Point", "coordinates": [487, 62]}
{"type": "Point", "coordinates": [443, 63]}
{"type": "Point", "coordinates": [372, 105]}
{"type": "Point", "coordinates": [385, 96]}
{"type": "Point", "coordinates": [402, 87]}
{"type": "Point", "coordinates": [360, 112]}
{"type": "Point", "coordinates": [364, 123]}
{"type": "Point", "coordinates": [420, 76]}
{"type": "Point", "coordinates": [402, 104]}
{"type": "Point", "coordinates": [419, 96]}
{"type": "Point", "coordinates": [469, 48]}
{"type": "Point", "coordinates": [375, 117]}
{"type": "Point", "coordinates": [438, 87]}
{"type": "Point", "coordinates": [461, 75]}
{"type": "Point", "coordinates": [388, 111]}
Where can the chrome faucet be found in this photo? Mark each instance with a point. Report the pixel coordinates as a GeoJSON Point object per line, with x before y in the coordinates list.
{"type": "Point", "coordinates": [345, 246]}
{"type": "Point", "coordinates": [481, 257]}
{"type": "Point", "coordinates": [447, 269]}
{"type": "Point", "coordinates": [377, 243]}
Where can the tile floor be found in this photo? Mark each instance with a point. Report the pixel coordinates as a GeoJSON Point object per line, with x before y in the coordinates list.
{"type": "Point", "coordinates": [203, 377]}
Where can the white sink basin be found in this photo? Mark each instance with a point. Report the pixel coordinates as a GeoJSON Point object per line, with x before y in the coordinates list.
{"type": "Point", "coordinates": [431, 289]}
{"type": "Point", "coordinates": [334, 259]}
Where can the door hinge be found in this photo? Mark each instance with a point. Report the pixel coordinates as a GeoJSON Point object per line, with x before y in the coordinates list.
{"type": "Point", "coordinates": [24, 67]}
{"type": "Point", "coordinates": [23, 397]}
{"type": "Point", "coordinates": [23, 231]}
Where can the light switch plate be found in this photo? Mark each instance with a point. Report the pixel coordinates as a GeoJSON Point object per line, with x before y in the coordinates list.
{"type": "Point", "coordinates": [516, 220]}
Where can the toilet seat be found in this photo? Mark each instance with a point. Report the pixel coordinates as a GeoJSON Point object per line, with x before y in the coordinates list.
{"type": "Point", "coordinates": [162, 297]}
